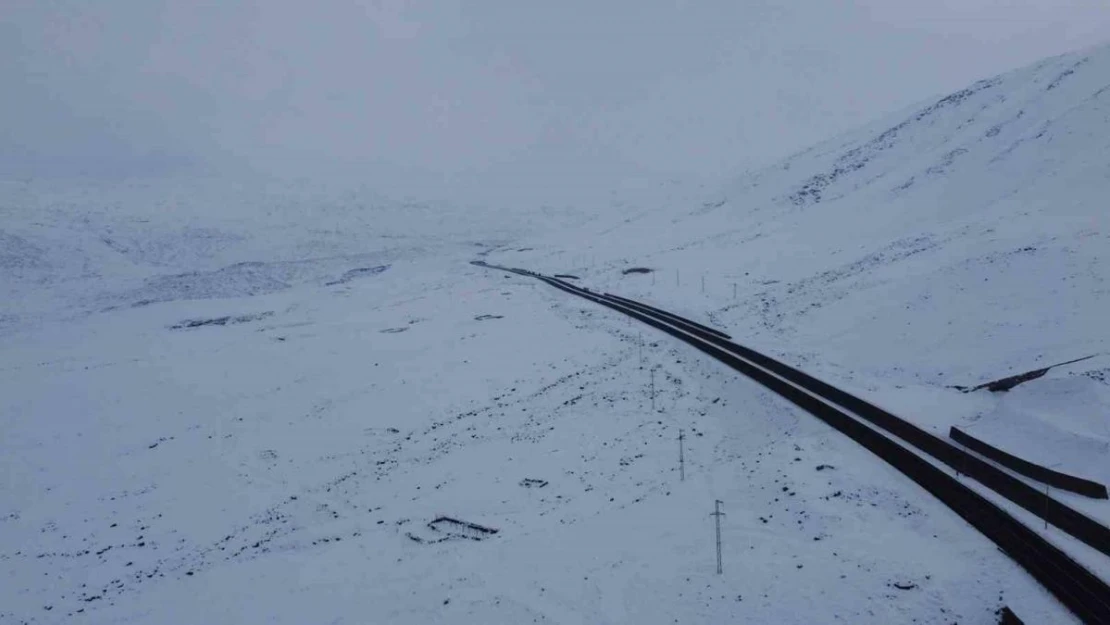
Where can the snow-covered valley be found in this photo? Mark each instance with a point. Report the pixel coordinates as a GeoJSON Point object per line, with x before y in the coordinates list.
{"type": "Point", "coordinates": [231, 404]}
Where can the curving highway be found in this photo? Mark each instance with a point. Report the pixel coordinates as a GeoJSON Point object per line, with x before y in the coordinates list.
{"type": "Point", "coordinates": [891, 439]}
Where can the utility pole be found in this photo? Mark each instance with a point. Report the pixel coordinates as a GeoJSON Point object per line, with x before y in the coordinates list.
{"type": "Point", "coordinates": [734, 291]}
{"type": "Point", "coordinates": [653, 389]}
{"type": "Point", "coordinates": [703, 283]}
{"type": "Point", "coordinates": [676, 277]}
{"type": "Point", "coordinates": [717, 514]}
{"type": "Point", "coordinates": [640, 340]}
{"type": "Point", "coordinates": [681, 457]}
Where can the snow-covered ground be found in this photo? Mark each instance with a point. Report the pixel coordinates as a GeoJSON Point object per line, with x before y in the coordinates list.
{"type": "Point", "coordinates": [241, 403]}
{"type": "Point", "coordinates": [951, 244]}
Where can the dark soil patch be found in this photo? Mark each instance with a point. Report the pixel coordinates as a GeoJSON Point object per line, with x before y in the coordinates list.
{"type": "Point", "coordinates": [358, 273]}
{"type": "Point", "coordinates": [447, 528]}
{"type": "Point", "coordinates": [1005, 384]}
{"type": "Point", "coordinates": [189, 324]}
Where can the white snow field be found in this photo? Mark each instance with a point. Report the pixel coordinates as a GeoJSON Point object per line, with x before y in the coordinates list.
{"type": "Point", "coordinates": [246, 403]}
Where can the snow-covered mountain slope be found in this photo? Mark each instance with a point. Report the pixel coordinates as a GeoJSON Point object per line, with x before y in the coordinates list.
{"type": "Point", "coordinates": [958, 242]}
{"type": "Point", "coordinates": [269, 398]}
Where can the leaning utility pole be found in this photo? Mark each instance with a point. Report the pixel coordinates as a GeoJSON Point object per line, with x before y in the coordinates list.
{"type": "Point", "coordinates": [718, 514]}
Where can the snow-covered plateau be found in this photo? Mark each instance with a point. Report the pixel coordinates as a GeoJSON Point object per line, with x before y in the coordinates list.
{"type": "Point", "coordinates": [283, 403]}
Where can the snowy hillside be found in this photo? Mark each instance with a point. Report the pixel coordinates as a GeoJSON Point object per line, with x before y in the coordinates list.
{"type": "Point", "coordinates": [87, 246]}
{"type": "Point", "coordinates": [955, 243]}
{"type": "Point", "coordinates": [292, 401]}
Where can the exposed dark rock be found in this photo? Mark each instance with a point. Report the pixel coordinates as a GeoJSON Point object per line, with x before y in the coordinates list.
{"type": "Point", "coordinates": [189, 324]}
{"type": "Point", "coordinates": [357, 273]}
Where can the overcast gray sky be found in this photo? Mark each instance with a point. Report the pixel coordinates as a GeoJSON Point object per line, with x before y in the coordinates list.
{"type": "Point", "coordinates": [493, 99]}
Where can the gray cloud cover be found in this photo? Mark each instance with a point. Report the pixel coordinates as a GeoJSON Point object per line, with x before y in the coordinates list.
{"type": "Point", "coordinates": [488, 99]}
